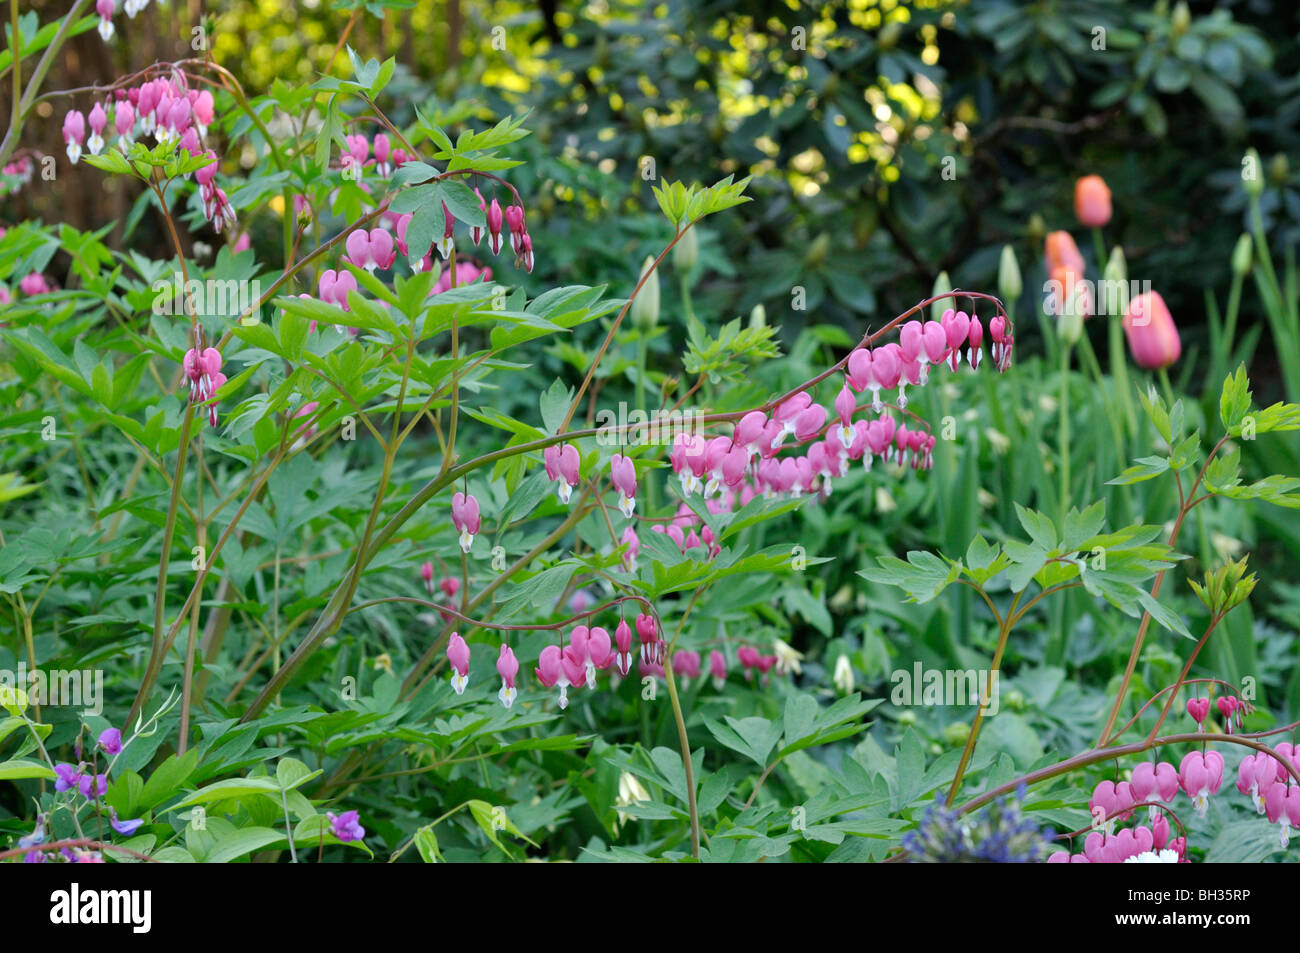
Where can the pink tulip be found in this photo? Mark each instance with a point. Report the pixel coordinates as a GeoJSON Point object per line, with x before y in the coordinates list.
{"type": "Point", "coordinates": [1152, 334]}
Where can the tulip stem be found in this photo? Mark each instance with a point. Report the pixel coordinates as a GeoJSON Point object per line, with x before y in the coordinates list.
{"type": "Point", "coordinates": [1064, 428]}
{"type": "Point", "coordinates": [1099, 245]}
{"type": "Point", "coordinates": [1119, 370]}
{"type": "Point", "coordinates": [1165, 386]}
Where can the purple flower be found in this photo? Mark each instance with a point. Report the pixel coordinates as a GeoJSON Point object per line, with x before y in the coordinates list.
{"type": "Point", "coordinates": [68, 776]}
{"type": "Point", "coordinates": [93, 786]}
{"type": "Point", "coordinates": [34, 857]}
{"type": "Point", "coordinates": [110, 739]}
{"type": "Point", "coordinates": [125, 828]}
{"type": "Point", "coordinates": [347, 826]}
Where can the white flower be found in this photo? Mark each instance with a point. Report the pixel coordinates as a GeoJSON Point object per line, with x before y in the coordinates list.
{"type": "Point", "coordinates": [843, 677]}
{"type": "Point", "coordinates": [1152, 857]}
{"type": "Point", "coordinates": [630, 791]}
{"type": "Point", "coordinates": [787, 659]}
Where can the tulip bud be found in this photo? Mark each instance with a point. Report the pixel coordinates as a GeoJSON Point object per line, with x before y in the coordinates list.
{"type": "Point", "coordinates": [758, 316]}
{"type": "Point", "coordinates": [1152, 334]}
{"type": "Point", "coordinates": [1251, 179]}
{"type": "Point", "coordinates": [1242, 256]}
{"type": "Point", "coordinates": [1092, 201]}
{"type": "Point", "coordinates": [1117, 266]}
{"type": "Point", "coordinates": [686, 252]}
{"type": "Point", "coordinates": [1278, 170]}
{"type": "Point", "coordinates": [1116, 277]}
{"type": "Point", "coordinates": [1010, 286]}
{"type": "Point", "coordinates": [645, 306]}
{"type": "Point", "coordinates": [941, 286]}
{"type": "Point", "coordinates": [1181, 19]}
{"type": "Point", "coordinates": [1070, 325]}
{"type": "Point", "coordinates": [1036, 229]}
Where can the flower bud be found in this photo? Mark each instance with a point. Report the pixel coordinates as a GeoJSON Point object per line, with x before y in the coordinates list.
{"type": "Point", "coordinates": [1070, 325]}
{"type": "Point", "coordinates": [645, 306]}
{"type": "Point", "coordinates": [843, 677]}
{"type": "Point", "coordinates": [1242, 256]}
{"type": "Point", "coordinates": [1010, 286]}
{"type": "Point", "coordinates": [1180, 20]}
{"type": "Point", "coordinates": [758, 316]}
{"type": "Point", "coordinates": [1278, 170]}
{"type": "Point", "coordinates": [1251, 179]}
{"type": "Point", "coordinates": [1116, 266]}
{"type": "Point", "coordinates": [956, 733]}
{"type": "Point", "coordinates": [1092, 201]}
{"type": "Point", "coordinates": [1115, 275]}
{"type": "Point", "coordinates": [1152, 334]}
{"type": "Point", "coordinates": [686, 252]}
{"type": "Point", "coordinates": [1036, 229]}
{"type": "Point", "coordinates": [942, 285]}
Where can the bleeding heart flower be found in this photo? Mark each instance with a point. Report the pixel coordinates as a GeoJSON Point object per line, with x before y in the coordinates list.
{"type": "Point", "coordinates": [507, 668]}
{"type": "Point", "coordinates": [465, 517]}
{"type": "Point", "coordinates": [458, 658]}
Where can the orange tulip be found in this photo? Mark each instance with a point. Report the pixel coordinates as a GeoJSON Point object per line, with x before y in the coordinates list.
{"type": "Point", "coordinates": [1152, 334]}
{"type": "Point", "coordinates": [1069, 290]}
{"type": "Point", "coordinates": [1061, 252]}
{"type": "Point", "coordinates": [1092, 201]}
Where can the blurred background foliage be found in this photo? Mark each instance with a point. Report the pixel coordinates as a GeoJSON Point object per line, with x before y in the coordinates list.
{"type": "Point", "coordinates": [889, 141]}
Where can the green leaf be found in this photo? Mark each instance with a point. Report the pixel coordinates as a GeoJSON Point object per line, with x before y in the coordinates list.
{"type": "Point", "coordinates": [753, 737]}
{"type": "Point", "coordinates": [18, 769]}
{"type": "Point", "coordinates": [923, 576]}
{"type": "Point", "coordinates": [1146, 468]}
{"type": "Point", "coordinates": [1234, 401]}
